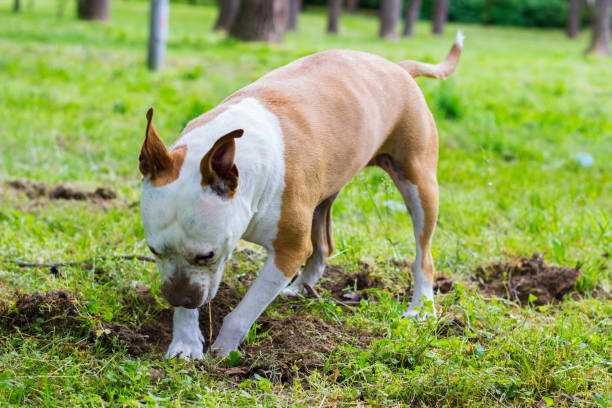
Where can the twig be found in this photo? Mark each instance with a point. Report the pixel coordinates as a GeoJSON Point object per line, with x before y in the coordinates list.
{"type": "Point", "coordinates": [55, 265]}
{"type": "Point", "coordinates": [209, 327]}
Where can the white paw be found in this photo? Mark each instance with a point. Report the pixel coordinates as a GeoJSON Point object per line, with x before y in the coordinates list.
{"type": "Point", "coordinates": [188, 349]}
{"type": "Point", "coordinates": [292, 291]}
{"type": "Point", "coordinates": [223, 346]}
{"type": "Point", "coordinates": [417, 314]}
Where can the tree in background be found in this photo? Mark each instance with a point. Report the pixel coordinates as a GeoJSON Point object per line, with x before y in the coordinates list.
{"type": "Point", "coordinates": [294, 10]}
{"type": "Point", "coordinates": [351, 6]}
{"type": "Point", "coordinates": [573, 19]}
{"type": "Point", "coordinates": [17, 6]}
{"type": "Point", "coordinates": [260, 20]}
{"type": "Point", "coordinates": [93, 9]}
{"type": "Point", "coordinates": [389, 16]}
{"type": "Point", "coordinates": [439, 17]}
{"type": "Point", "coordinates": [334, 7]}
{"type": "Point", "coordinates": [227, 14]}
{"type": "Point", "coordinates": [413, 9]}
{"type": "Point", "coordinates": [600, 42]}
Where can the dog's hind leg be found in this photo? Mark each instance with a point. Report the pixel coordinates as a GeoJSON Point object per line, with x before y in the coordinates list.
{"type": "Point", "coordinates": [416, 181]}
{"type": "Point", "coordinates": [323, 246]}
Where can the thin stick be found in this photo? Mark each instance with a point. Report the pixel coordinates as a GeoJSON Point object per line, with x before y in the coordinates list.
{"type": "Point", "coordinates": [209, 327]}
{"type": "Point", "coordinates": [25, 264]}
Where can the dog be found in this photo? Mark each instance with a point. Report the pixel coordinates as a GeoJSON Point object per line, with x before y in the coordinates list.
{"type": "Point", "coordinates": [266, 166]}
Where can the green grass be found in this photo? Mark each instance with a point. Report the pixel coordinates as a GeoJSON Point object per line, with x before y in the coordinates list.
{"type": "Point", "coordinates": [512, 120]}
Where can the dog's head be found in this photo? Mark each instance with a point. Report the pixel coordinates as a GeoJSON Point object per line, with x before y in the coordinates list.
{"type": "Point", "coordinates": [188, 213]}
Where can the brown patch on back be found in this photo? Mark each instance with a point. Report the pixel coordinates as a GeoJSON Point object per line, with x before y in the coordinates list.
{"type": "Point", "coordinates": [336, 109]}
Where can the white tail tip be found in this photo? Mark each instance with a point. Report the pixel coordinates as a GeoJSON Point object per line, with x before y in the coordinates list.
{"type": "Point", "coordinates": [459, 38]}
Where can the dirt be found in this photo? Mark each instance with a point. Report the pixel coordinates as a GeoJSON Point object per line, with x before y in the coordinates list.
{"type": "Point", "coordinates": [349, 288]}
{"type": "Point", "coordinates": [56, 310]}
{"type": "Point", "coordinates": [520, 277]}
{"type": "Point", "coordinates": [286, 346]}
{"type": "Point", "coordinates": [64, 191]}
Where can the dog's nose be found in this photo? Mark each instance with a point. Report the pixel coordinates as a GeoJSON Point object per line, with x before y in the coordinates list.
{"type": "Point", "coordinates": [184, 301]}
{"type": "Point", "coordinates": [182, 293]}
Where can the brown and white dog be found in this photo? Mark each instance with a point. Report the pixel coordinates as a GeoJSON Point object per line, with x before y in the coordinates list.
{"type": "Point", "coordinates": [266, 165]}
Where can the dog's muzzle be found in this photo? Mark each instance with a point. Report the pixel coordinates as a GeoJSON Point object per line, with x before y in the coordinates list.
{"type": "Point", "coordinates": [179, 291]}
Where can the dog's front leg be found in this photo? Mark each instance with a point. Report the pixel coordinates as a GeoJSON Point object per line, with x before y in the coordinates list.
{"type": "Point", "coordinates": [262, 292]}
{"type": "Point", "coordinates": [187, 339]}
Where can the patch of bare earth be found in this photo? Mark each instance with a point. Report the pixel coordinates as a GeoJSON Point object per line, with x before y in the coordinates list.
{"type": "Point", "coordinates": [520, 277]}
{"type": "Point", "coordinates": [350, 287]}
{"type": "Point", "coordinates": [287, 346]}
{"type": "Point", "coordinates": [64, 191]}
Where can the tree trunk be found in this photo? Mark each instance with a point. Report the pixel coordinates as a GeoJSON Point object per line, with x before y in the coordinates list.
{"type": "Point", "coordinates": [93, 9]}
{"type": "Point", "coordinates": [439, 16]}
{"type": "Point", "coordinates": [295, 6]}
{"type": "Point", "coordinates": [260, 20]}
{"type": "Point", "coordinates": [158, 33]}
{"type": "Point", "coordinates": [389, 16]}
{"type": "Point", "coordinates": [17, 6]}
{"type": "Point", "coordinates": [600, 43]}
{"type": "Point", "coordinates": [351, 6]}
{"type": "Point", "coordinates": [333, 15]}
{"type": "Point", "coordinates": [573, 19]}
{"type": "Point", "coordinates": [413, 10]}
{"type": "Point", "coordinates": [227, 14]}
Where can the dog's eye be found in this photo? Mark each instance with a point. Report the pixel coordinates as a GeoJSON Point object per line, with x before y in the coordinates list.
{"type": "Point", "coordinates": [153, 251]}
{"type": "Point", "coordinates": [204, 259]}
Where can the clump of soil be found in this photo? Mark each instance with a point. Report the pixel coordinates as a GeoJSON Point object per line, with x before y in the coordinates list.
{"type": "Point", "coordinates": [296, 345]}
{"type": "Point", "coordinates": [517, 279]}
{"type": "Point", "coordinates": [289, 345]}
{"type": "Point", "coordinates": [53, 309]}
{"type": "Point", "coordinates": [350, 288]}
{"type": "Point", "coordinates": [64, 191]}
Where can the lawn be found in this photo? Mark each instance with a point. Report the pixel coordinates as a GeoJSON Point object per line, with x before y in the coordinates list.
{"type": "Point", "coordinates": [519, 123]}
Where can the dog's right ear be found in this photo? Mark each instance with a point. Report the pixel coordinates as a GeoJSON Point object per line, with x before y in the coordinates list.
{"type": "Point", "coordinates": [218, 168]}
{"type": "Point", "coordinates": [154, 157]}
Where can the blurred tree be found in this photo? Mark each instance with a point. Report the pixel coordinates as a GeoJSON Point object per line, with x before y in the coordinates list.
{"type": "Point", "coordinates": [227, 14]}
{"type": "Point", "coordinates": [158, 33]}
{"type": "Point", "coordinates": [333, 15]}
{"type": "Point", "coordinates": [351, 6]}
{"type": "Point", "coordinates": [389, 16]}
{"type": "Point", "coordinates": [93, 9]}
{"type": "Point", "coordinates": [17, 6]}
{"type": "Point", "coordinates": [600, 42]}
{"type": "Point", "coordinates": [439, 17]}
{"type": "Point", "coordinates": [295, 6]}
{"type": "Point", "coordinates": [260, 20]}
{"type": "Point", "coordinates": [413, 9]}
{"type": "Point", "coordinates": [573, 19]}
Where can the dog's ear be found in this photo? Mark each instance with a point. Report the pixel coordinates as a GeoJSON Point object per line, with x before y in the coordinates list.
{"type": "Point", "coordinates": [218, 168]}
{"type": "Point", "coordinates": [154, 157]}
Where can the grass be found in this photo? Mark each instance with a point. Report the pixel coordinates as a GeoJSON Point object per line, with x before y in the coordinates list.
{"type": "Point", "coordinates": [512, 121]}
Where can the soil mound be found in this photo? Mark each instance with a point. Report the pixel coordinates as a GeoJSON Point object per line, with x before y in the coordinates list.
{"type": "Point", "coordinates": [518, 278]}
{"type": "Point", "coordinates": [350, 288]}
{"type": "Point", "coordinates": [284, 346]}
{"type": "Point", "coordinates": [50, 310]}
{"type": "Point", "coordinates": [64, 191]}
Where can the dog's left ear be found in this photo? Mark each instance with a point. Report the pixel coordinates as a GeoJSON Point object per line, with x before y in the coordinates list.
{"type": "Point", "coordinates": [218, 168]}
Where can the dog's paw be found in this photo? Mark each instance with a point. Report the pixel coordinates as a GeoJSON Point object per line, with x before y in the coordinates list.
{"type": "Point", "coordinates": [188, 349]}
{"type": "Point", "coordinates": [292, 291]}
{"type": "Point", "coordinates": [222, 347]}
{"type": "Point", "coordinates": [417, 314]}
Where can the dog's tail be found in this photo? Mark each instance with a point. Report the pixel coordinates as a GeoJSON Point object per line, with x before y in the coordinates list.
{"type": "Point", "coordinates": [442, 70]}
